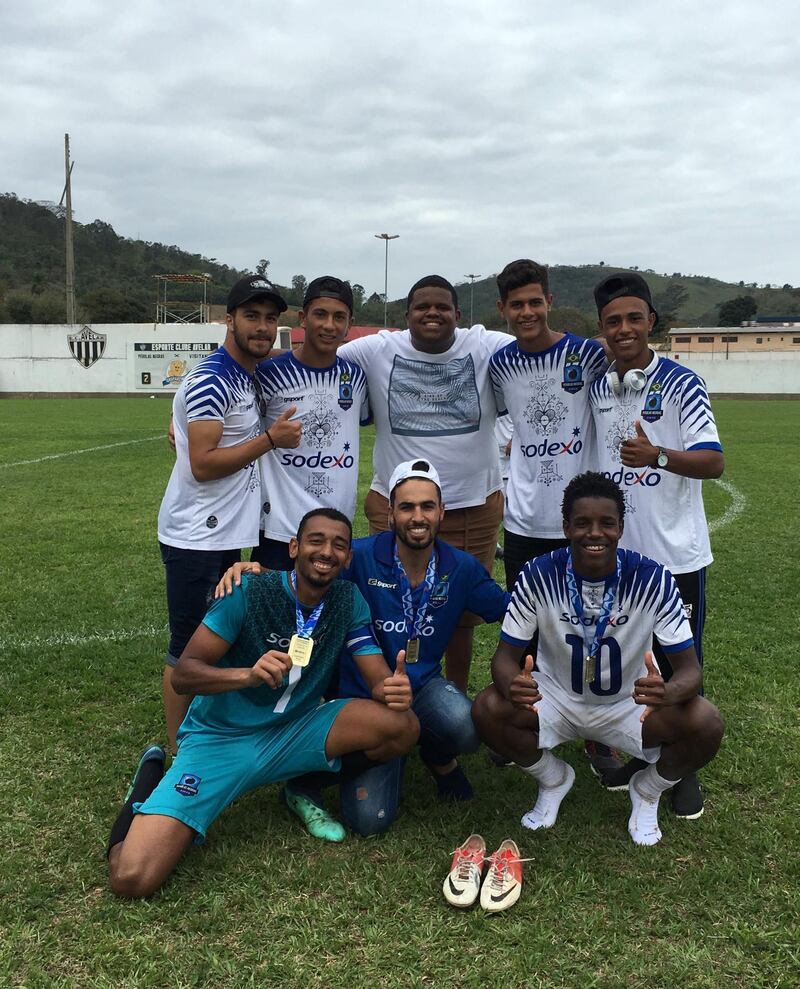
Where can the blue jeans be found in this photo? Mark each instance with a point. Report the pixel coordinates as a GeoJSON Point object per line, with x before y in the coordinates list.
{"type": "Point", "coordinates": [370, 802]}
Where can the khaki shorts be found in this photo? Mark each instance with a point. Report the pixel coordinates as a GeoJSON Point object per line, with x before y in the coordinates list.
{"type": "Point", "coordinates": [472, 529]}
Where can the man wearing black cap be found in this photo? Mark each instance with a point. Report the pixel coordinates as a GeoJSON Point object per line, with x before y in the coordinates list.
{"type": "Point", "coordinates": [330, 398]}
{"type": "Point", "coordinates": [211, 507]}
{"type": "Point", "coordinates": [656, 438]}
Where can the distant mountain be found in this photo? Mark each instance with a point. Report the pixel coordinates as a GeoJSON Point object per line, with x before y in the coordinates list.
{"type": "Point", "coordinates": [113, 275]}
{"type": "Point", "coordinates": [114, 280]}
{"type": "Point", "coordinates": [680, 299]}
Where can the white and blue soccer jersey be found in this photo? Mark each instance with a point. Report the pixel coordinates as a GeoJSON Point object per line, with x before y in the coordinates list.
{"type": "Point", "coordinates": [664, 514]}
{"type": "Point", "coordinates": [647, 602]}
{"type": "Point", "coordinates": [462, 584]}
{"type": "Point", "coordinates": [332, 403]}
{"type": "Point", "coordinates": [547, 396]}
{"type": "Point", "coordinates": [222, 513]}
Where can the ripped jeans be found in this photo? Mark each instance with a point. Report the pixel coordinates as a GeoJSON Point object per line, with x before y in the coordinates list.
{"type": "Point", "coordinates": [370, 802]}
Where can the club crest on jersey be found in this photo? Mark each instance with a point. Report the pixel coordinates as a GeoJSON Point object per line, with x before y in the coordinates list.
{"type": "Point", "coordinates": [345, 391]}
{"type": "Point", "coordinates": [573, 374]}
{"type": "Point", "coordinates": [86, 346]}
{"type": "Point", "coordinates": [440, 592]}
{"type": "Point", "coordinates": [652, 410]}
{"type": "Point", "coordinates": [188, 785]}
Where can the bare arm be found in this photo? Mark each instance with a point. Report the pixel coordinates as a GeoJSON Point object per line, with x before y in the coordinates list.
{"type": "Point", "coordinates": [197, 672]}
{"type": "Point", "coordinates": [638, 451]}
{"type": "Point", "coordinates": [209, 461]}
{"type": "Point", "coordinates": [654, 692]}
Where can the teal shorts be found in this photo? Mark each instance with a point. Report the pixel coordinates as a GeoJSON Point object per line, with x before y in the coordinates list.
{"type": "Point", "coordinates": [212, 769]}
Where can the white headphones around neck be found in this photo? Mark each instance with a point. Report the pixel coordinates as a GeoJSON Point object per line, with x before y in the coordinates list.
{"type": "Point", "coordinates": [635, 379]}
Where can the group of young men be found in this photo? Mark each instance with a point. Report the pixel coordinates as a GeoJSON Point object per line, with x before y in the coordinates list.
{"type": "Point", "coordinates": [598, 642]}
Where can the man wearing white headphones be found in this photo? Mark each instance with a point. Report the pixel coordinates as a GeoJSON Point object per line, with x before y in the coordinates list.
{"type": "Point", "coordinates": [656, 437]}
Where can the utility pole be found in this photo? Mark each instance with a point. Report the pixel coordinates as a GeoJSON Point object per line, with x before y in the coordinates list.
{"type": "Point", "coordinates": [70, 256]}
{"type": "Point", "coordinates": [386, 238]}
{"type": "Point", "coordinates": [471, 295]}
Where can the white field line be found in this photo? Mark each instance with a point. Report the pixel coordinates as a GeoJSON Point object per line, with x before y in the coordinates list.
{"type": "Point", "coordinates": [86, 639]}
{"type": "Point", "coordinates": [75, 453]}
{"type": "Point", "coordinates": [733, 511]}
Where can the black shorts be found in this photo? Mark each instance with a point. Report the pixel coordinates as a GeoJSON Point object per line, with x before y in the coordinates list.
{"type": "Point", "coordinates": [272, 554]}
{"type": "Point", "coordinates": [517, 550]}
{"type": "Point", "coordinates": [192, 575]}
{"type": "Point", "coordinates": [693, 591]}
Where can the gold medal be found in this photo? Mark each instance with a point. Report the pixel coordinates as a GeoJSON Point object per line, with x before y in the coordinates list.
{"type": "Point", "coordinates": [412, 650]}
{"type": "Point", "coordinates": [589, 669]}
{"type": "Point", "coordinates": [300, 649]}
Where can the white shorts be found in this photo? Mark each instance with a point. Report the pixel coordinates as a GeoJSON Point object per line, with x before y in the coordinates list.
{"type": "Point", "coordinates": [561, 719]}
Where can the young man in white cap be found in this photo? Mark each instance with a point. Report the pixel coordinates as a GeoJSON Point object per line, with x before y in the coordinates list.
{"type": "Point", "coordinates": [212, 504]}
{"type": "Point", "coordinates": [657, 438]}
{"type": "Point", "coordinates": [417, 587]}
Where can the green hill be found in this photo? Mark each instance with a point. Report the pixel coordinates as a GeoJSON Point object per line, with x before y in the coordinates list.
{"type": "Point", "coordinates": [114, 280]}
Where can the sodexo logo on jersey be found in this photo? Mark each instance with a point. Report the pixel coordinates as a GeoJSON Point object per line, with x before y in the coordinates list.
{"type": "Point", "coordinates": [630, 478]}
{"type": "Point", "coordinates": [318, 460]}
{"type": "Point", "coordinates": [390, 626]}
{"type": "Point", "coordinates": [548, 448]}
{"type": "Point", "coordinates": [614, 621]}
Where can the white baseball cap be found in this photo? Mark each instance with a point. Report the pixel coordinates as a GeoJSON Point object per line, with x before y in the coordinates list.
{"type": "Point", "coordinates": [421, 468]}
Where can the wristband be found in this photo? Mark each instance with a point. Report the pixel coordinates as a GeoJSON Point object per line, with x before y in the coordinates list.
{"type": "Point", "coordinates": [272, 441]}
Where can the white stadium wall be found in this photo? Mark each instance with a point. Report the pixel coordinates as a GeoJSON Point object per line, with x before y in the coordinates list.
{"type": "Point", "coordinates": [151, 359]}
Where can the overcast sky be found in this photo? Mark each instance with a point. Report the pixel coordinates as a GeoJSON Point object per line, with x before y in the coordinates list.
{"type": "Point", "coordinates": [658, 134]}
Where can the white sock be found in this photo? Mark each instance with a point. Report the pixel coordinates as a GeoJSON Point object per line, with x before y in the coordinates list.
{"type": "Point", "coordinates": [645, 790]}
{"type": "Point", "coordinates": [555, 778]}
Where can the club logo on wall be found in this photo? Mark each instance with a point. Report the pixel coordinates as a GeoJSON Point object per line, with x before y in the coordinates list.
{"type": "Point", "coordinates": [87, 347]}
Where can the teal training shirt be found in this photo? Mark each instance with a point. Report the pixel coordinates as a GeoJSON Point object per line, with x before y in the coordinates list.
{"type": "Point", "coordinates": [259, 616]}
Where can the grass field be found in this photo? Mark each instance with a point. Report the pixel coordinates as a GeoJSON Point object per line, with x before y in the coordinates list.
{"type": "Point", "coordinates": [261, 904]}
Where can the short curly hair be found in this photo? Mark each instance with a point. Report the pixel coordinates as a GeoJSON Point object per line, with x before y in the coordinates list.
{"type": "Point", "coordinates": [592, 485]}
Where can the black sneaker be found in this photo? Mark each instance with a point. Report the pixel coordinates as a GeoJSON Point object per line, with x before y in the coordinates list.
{"type": "Point", "coordinates": [618, 779]}
{"type": "Point", "coordinates": [454, 786]}
{"type": "Point", "coordinates": [687, 798]}
{"type": "Point", "coordinates": [499, 761]}
{"type": "Point", "coordinates": [602, 758]}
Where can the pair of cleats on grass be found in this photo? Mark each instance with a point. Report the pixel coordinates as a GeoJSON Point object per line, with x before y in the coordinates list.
{"type": "Point", "coordinates": [499, 887]}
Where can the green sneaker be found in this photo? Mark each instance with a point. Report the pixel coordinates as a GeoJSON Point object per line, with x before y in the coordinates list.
{"type": "Point", "coordinates": [317, 821]}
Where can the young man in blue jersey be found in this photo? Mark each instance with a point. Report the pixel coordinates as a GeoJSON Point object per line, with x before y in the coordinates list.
{"type": "Point", "coordinates": [541, 380]}
{"type": "Point", "coordinates": [329, 395]}
{"type": "Point", "coordinates": [656, 436]}
{"type": "Point", "coordinates": [417, 588]}
{"type": "Point", "coordinates": [212, 504]}
{"type": "Point", "coordinates": [596, 609]}
{"type": "Point", "coordinates": [258, 665]}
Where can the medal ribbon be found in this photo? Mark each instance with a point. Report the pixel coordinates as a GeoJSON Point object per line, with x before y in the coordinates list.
{"type": "Point", "coordinates": [414, 622]}
{"type": "Point", "coordinates": [592, 639]}
{"type": "Point", "coordinates": [305, 626]}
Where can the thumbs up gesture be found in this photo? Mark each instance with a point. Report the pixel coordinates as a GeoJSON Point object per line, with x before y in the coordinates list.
{"type": "Point", "coordinates": [285, 431]}
{"type": "Point", "coordinates": [638, 451]}
{"type": "Point", "coordinates": [650, 690]}
{"type": "Point", "coordinates": [523, 690]}
{"type": "Point", "coordinates": [397, 693]}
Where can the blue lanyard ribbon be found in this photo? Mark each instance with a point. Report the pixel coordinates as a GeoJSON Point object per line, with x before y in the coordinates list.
{"type": "Point", "coordinates": [305, 626]}
{"type": "Point", "coordinates": [414, 622]}
{"type": "Point", "coordinates": [592, 639]}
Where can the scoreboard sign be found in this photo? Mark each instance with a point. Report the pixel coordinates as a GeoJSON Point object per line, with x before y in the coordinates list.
{"type": "Point", "coordinates": [162, 366]}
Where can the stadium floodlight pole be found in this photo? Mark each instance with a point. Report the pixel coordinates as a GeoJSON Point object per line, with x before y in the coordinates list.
{"type": "Point", "coordinates": [471, 290]}
{"type": "Point", "coordinates": [70, 256]}
{"type": "Point", "coordinates": [386, 238]}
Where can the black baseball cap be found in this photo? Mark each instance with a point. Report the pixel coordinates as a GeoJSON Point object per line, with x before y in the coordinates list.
{"type": "Point", "coordinates": [254, 287]}
{"type": "Point", "coordinates": [618, 286]}
{"type": "Point", "coordinates": [329, 287]}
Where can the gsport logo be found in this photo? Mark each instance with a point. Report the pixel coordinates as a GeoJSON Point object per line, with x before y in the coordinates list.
{"type": "Point", "coordinates": [317, 461]}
